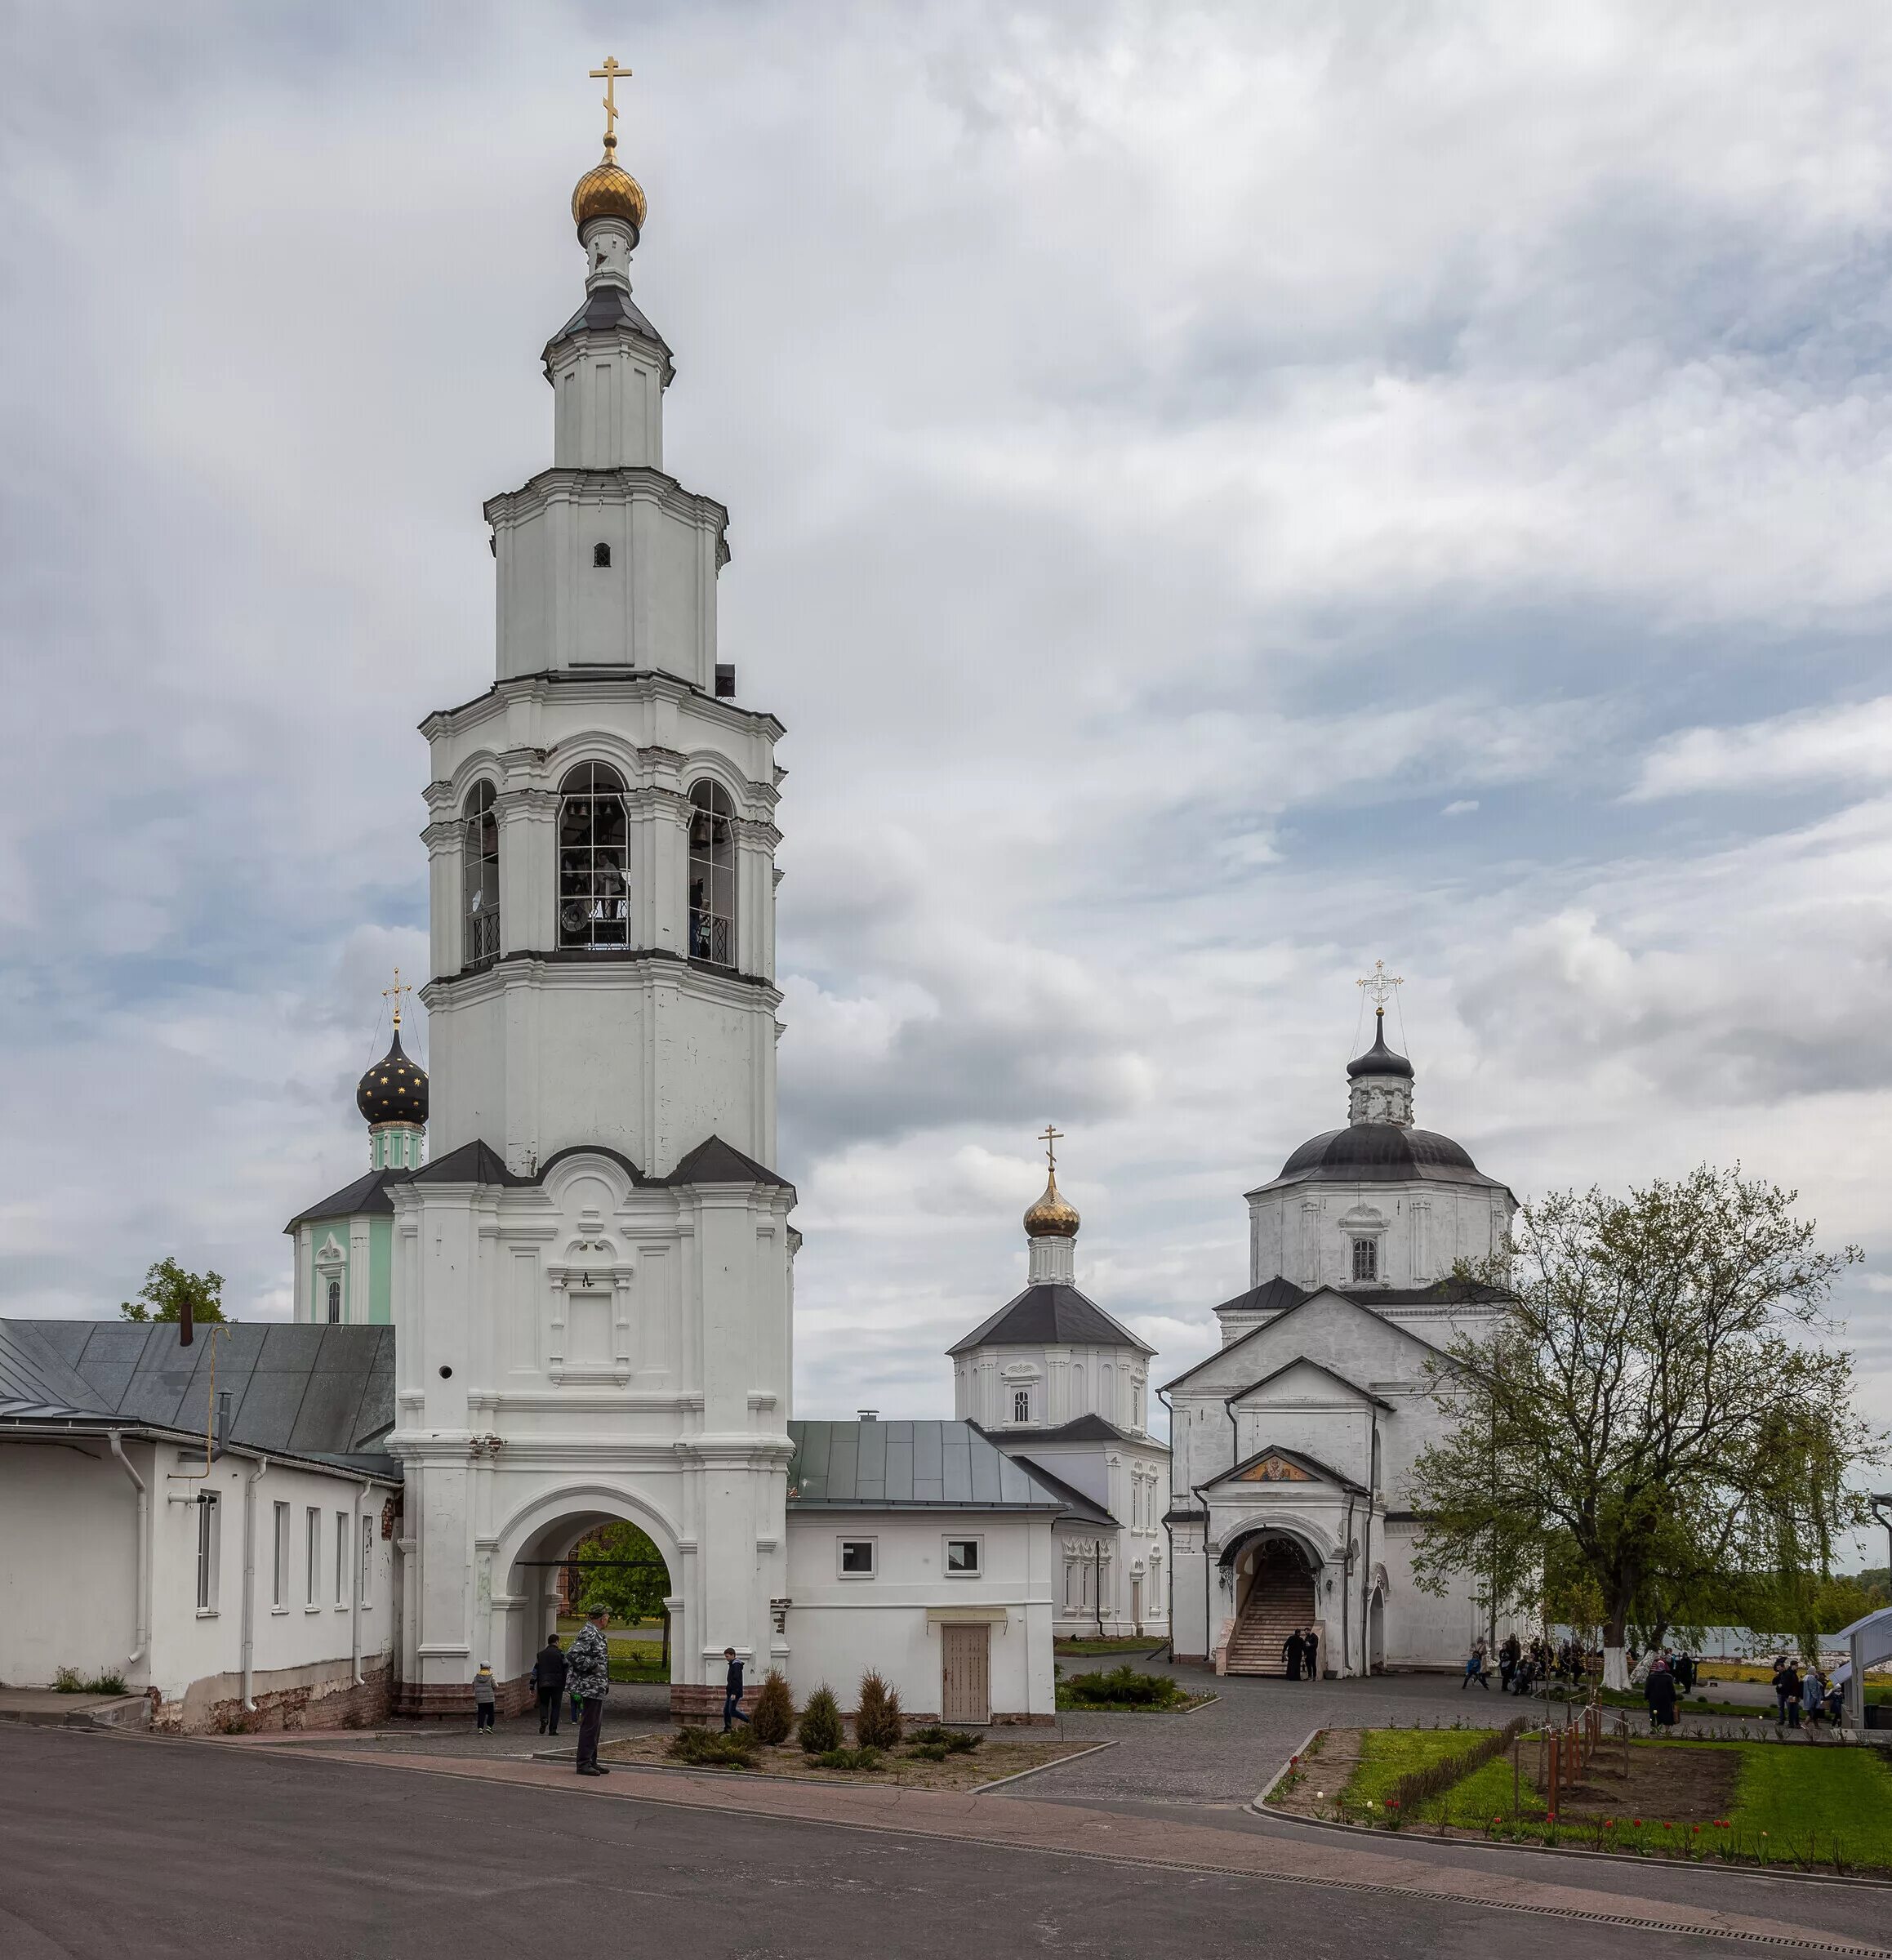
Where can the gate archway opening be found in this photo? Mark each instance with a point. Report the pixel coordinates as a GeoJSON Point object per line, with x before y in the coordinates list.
{"type": "Point", "coordinates": [590, 1557]}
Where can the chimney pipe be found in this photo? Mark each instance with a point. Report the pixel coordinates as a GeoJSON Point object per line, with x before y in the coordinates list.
{"type": "Point", "coordinates": [186, 1329]}
{"type": "Point", "coordinates": [868, 1415]}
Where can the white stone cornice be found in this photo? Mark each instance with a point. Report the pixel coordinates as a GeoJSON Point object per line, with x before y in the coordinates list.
{"type": "Point", "coordinates": [624, 485]}
{"type": "Point", "coordinates": [588, 687]}
{"type": "Point", "coordinates": [439, 795]}
{"type": "Point", "coordinates": [441, 835]}
{"type": "Point", "coordinates": [763, 837]}
{"type": "Point", "coordinates": [527, 801]}
{"type": "Point", "coordinates": [610, 972]}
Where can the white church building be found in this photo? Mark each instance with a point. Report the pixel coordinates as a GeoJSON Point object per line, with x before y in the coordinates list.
{"type": "Point", "coordinates": [1294, 1442]}
{"type": "Point", "coordinates": [561, 1292]}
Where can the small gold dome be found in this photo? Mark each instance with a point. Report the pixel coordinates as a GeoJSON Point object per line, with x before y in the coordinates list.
{"type": "Point", "coordinates": [1054, 1216]}
{"type": "Point", "coordinates": [608, 191]}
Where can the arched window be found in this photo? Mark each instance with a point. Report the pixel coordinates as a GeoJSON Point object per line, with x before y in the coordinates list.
{"type": "Point", "coordinates": [1020, 1404]}
{"type": "Point", "coordinates": [334, 1303]}
{"type": "Point", "coordinates": [479, 877]}
{"type": "Point", "coordinates": [594, 859]}
{"type": "Point", "coordinates": [712, 875]}
{"type": "Point", "coordinates": [601, 555]}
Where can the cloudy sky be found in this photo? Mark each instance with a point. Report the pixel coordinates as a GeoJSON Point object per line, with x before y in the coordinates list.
{"type": "Point", "coordinates": [1219, 495]}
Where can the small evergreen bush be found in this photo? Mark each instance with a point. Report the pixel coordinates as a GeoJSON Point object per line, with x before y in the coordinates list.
{"type": "Point", "coordinates": [112, 1683]}
{"type": "Point", "coordinates": [1123, 1688]}
{"type": "Point", "coordinates": [930, 1752]}
{"type": "Point", "coordinates": [771, 1720]}
{"type": "Point", "coordinates": [877, 1720]}
{"type": "Point", "coordinates": [711, 1749]}
{"type": "Point", "coordinates": [820, 1729]}
{"type": "Point", "coordinates": [849, 1759]}
{"type": "Point", "coordinates": [952, 1741]}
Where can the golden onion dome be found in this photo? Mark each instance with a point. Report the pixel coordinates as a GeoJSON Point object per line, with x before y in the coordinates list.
{"type": "Point", "coordinates": [608, 191]}
{"type": "Point", "coordinates": [1054, 1216]}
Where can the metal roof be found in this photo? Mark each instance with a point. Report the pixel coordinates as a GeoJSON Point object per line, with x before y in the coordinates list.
{"type": "Point", "coordinates": [880, 1466]}
{"type": "Point", "coordinates": [1051, 1315]}
{"type": "Point", "coordinates": [305, 1391]}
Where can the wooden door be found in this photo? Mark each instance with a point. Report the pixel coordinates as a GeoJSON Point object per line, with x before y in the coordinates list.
{"type": "Point", "coordinates": [966, 1675]}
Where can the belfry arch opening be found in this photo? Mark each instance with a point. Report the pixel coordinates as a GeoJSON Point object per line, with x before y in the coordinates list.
{"type": "Point", "coordinates": [587, 1558]}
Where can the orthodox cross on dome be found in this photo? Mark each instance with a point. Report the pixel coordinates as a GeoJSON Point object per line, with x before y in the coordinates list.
{"type": "Point", "coordinates": [1379, 984]}
{"type": "Point", "coordinates": [396, 990]}
{"type": "Point", "coordinates": [1051, 1137]}
{"type": "Point", "coordinates": [608, 75]}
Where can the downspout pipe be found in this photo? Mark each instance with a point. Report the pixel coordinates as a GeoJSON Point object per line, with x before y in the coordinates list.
{"type": "Point", "coordinates": [249, 1648]}
{"type": "Point", "coordinates": [1366, 1558]}
{"type": "Point", "coordinates": [141, 1608]}
{"type": "Point", "coordinates": [1170, 1530]}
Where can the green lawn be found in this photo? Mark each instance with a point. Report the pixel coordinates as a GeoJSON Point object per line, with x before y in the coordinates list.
{"type": "Point", "coordinates": [1810, 1807]}
{"type": "Point", "coordinates": [1386, 1755]}
{"type": "Point", "coordinates": [1144, 1646]}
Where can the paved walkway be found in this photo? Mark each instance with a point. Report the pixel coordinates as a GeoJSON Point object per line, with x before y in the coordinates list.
{"type": "Point", "coordinates": [1833, 1919]}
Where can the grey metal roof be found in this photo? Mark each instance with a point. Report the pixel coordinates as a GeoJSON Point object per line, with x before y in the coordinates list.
{"type": "Point", "coordinates": [1052, 1315]}
{"type": "Point", "coordinates": [1076, 1503]}
{"type": "Point", "coordinates": [368, 1196]}
{"type": "Point", "coordinates": [1082, 1429]}
{"type": "Point", "coordinates": [307, 1391]}
{"type": "Point", "coordinates": [903, 1466]}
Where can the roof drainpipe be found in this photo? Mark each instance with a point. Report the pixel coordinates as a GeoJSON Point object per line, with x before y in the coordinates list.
{"type": "Point", "coordinates": [249, 1646]}
{"type": "Point", "coordinates": [1170, 1530]}
{"type": "Point", "coordinates": [141, 1608]}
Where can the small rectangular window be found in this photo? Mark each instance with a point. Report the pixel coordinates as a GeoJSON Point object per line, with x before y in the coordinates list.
{"type": "Point", "coordinates": [1366, 1258]}
{"type": "Point", "coordinates": [857, 1558]}
{"type": "Point", "coordinates": [279, 1571]}
{"type": "Point", "coordinates": [314, 1572]}
{"type": "Point", "coordinates": [207, 1535]}
{"type": "Point", "coordinates": [962, 1556]}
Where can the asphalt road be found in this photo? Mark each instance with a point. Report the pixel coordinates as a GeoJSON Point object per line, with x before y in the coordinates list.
{"type": "Point", "coordinates": [113, 1847]}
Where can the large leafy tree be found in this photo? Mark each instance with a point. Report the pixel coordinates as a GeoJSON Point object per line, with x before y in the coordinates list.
{"type": "Point", "coordinates": [619, 1566]}
{"type": "Point", "coordinates": [1654, 1423]}
{"type": "Point", "coordinates": [167, 1286]}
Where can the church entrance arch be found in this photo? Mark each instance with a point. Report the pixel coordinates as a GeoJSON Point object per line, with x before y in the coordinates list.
{"type": "Point", "coordinates": [1376, 1632]}
{"type": "Point", "coordinates": [554, 1556]}
{"type": "Point", "coordinates": [1274, 1572]}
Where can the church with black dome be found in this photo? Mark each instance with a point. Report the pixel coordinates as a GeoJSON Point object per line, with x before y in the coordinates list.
{"type": "Point", "coordinates": [1293, 1443]}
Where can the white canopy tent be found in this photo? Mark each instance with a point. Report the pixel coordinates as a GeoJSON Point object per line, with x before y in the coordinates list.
{"type": "Point", "coordinates": [1868, 1645]}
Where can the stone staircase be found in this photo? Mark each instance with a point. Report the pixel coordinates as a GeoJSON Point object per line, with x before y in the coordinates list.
{"type": "Point", "coordinates": [1274, 1607]}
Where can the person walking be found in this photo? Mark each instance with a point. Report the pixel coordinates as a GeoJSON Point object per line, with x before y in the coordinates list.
{"type": "Point", "coordinates": [1508, 1656]}
{"type": "Point", "coordinates": [485, 1698]}
{"type": "Point", "coordinates": [588, 1671]}
{"type": "Point", "coordinates": [1659, 1690]}
{"type": "Point", "coordinates": [548, 1672]}
{"type": "Point", "coordinates": [1310, 1654]}
{"type": "Point", "coordinates": [1787, 1692]}
{"type": "Point", "coordinates": [1291, 1650]}
{"type": "Point", "coordinates": [1475, 1668]}
{"type": "Point", "coordinates": [732, 1689]}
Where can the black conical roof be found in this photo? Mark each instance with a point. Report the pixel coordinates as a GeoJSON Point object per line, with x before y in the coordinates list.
{"type": "Point", "coordinates": [1379, 1059]}
{"type": "Point", "coordinates": [395, 1090]}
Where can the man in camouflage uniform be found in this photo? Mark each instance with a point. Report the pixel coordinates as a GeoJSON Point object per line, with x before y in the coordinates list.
{"type": "Point", "coordinates": [588, 1676]}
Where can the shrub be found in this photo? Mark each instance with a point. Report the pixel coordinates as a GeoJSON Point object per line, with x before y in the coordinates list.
{"type": "Point", "coordinates": [1123, 1688]}
{"type": "Point", "coordinates": [820, 1729]}
{"type": "Point", "coordinates": [849, 1759]}
{"type": "Point", "coordinates": [877, 1722]}
{"type": "Point", "coordinates": [112, 1683]}
{"type": "Point", "coordinates": [952, 1741]}
{"type": "Point", "coordinates": [711, 1749]}
{"type": "Point", "coordinates": [773, 1718]}
{"type": "Point", "coordinates": [930, 1752]}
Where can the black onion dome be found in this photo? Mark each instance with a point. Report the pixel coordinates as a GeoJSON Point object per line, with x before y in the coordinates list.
{"type": "Point", "coordinates": [395, 1090]}
{"type": "Point", "coordinates": [1379, 1153]}
{"type": "Point", "coordinates": [1379, 1059]}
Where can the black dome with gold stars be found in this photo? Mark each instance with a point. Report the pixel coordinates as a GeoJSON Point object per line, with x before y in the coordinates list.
{"type": "Point", "coordinates": [395, 1090]}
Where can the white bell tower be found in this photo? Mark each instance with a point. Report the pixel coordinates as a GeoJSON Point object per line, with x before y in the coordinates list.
{"type": "Point", "coordinates": [591, 1282]}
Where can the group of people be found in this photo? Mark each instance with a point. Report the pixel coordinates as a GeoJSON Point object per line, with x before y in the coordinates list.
{"type": "Point", "coordinates": [1301, 1653]}
{"type": "Point", "coordinates": [1526, 1669]}
{"type": "Point", "coordinates": [1810, 1694]}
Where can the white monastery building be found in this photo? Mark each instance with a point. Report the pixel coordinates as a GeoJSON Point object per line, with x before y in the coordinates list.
{"type": "Point", "coordinates": [1293, 1443]}
{"type": "Point", "coordinates": [561, 1292]}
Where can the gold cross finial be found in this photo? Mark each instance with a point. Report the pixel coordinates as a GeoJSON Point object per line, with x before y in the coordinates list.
{"type": "Point", "coordinates": [1050, 1137]}
{"type": "Point", "coordinates": [608, 75]}
{"type": "Point", "coordinates": [396, 990]}
{"type": "Point", "coordinates": [1379, 984]}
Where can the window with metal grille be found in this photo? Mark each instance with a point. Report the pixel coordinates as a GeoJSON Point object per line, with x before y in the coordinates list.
{"type": "Point", "coordinates": [712, 875]}
{"type": "Point", "coordinates": [594, 860]}
{"type": "Point", "coordinates": [601, 555]}
{"type": "Point", "coordinates": [1366, 1258]}
{"type": "Point", "coordinates": [479, 873]}
{"type": "Point", "coordinates": [1021, 1405]}
{"type": "Point", "coordinates": [334, 1303]}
